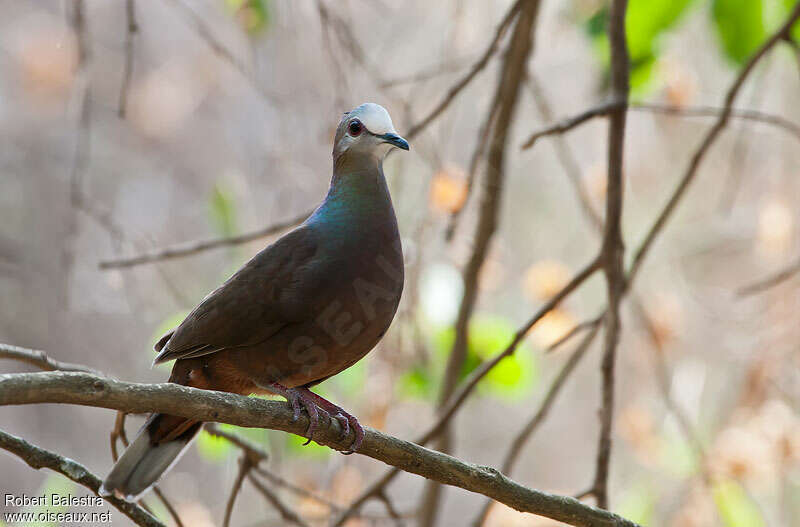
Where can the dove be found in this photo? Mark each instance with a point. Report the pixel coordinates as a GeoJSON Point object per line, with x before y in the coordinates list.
{"type": "Point", "coordinates": [303, 309]}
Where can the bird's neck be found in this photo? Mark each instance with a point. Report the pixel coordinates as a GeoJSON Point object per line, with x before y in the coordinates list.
{"type": "Point", "coordinates": [358, 187]}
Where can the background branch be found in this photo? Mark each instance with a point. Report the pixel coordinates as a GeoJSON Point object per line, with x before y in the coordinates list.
{"type": "Point", "coordinates": [190, 248]}
{"type": "Point", "coordinates": [613, 247]}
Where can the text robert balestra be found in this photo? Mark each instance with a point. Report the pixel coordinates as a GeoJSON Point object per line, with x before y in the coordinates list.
{"type": "Point", "coordinates": [51, 500]}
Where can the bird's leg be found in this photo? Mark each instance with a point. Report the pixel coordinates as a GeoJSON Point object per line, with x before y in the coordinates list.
{"type": "Point", "coordinates": [336, 412]}
{"type": "Point", "coordinates": [298, 398]}
{"type": "Point", "coordinates": [301, 397]}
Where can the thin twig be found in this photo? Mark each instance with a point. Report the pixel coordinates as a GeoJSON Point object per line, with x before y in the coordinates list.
{"type": "Point", "coordinates": [295, 489]}
{"type": "Point", "coordinates": [583, 326]}
{"type": "Point", "coordinates": [713, 111]}
{"type": "Point", "coordinates": [204, 32]}
{"type": "Point", "coordinates": [173, 512]}
{"type": "Point", "coordinates": [565, 156]}
{"type": "Point", "coordinates": [190, 248]}
{"type": "Point", "coordinates": [604, 109]}
{"type": "Point", "coordinates": [254, 452]}
{"type": "Point", "coordinates": [772, 280]}
{"type": "Point", "coordinates": [245, 464]}
{"type": "Point", "coordinates": [663, 379]}
{"type": "Point", "coordinates": [613, 247]}
{"type": "Point", "coordinates": [424, 75]}
{"type": "Point", "coordinates": [40, 359]}
{"type": "Point", "coordinates": [544, 408]}
{"type": "Point", "coordinates": [127, 73]}
{"type": "Point", "coordinates": [571, 122]}
{"type": "Point", "coordinates": [202, 405]}
{"type": "Point", "coordinates": [39, 458]}
{"type": "Point", "coordinates": [462, 83]}
{"type": "Point", "coordinates": [708, 140]}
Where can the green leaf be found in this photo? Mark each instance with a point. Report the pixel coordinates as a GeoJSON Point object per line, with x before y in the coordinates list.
{"type": "Point", "coordinates": [735, 507]}
{"type": "Point", "coordinates": [222, 211]}
{"type": "Point", "coordinates": [646, 20]}
{"type": "Point", "coordinates": [740, 27]}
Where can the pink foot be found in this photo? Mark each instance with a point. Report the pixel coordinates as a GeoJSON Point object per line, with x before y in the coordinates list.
{"type": "Point", "coordinates": [303, 398]}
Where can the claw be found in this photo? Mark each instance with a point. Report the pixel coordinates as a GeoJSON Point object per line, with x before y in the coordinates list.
{"type": "Point", "coordinates": [303, 398]}
{"type": "Point", "coordinates": [345, 424]}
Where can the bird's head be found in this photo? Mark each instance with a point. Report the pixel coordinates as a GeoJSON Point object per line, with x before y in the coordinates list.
{"type": "Point", "coordinates": [367, 130]}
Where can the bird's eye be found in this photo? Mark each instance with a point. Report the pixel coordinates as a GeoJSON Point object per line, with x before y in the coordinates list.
{"type": "Point", "coordinates": [355, 127]}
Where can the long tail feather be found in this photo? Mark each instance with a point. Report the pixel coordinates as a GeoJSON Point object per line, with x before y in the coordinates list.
{"type": "Point", "coordinates": [158, 445]}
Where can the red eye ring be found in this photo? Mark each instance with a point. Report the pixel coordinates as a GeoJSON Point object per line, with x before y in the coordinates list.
{"type": "Point", "coordinates": [355, 128]}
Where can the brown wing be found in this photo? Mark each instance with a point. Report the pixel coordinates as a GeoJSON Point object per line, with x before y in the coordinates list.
{"type": "Point", "coordinates": [267, 293]}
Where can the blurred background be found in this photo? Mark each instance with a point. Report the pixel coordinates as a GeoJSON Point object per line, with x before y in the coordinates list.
{"type": "Point", "coordinates": [197, 120]}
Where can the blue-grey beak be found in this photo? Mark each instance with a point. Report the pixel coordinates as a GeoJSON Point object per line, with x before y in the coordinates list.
{"type": "Point", "coordinates": [395, 140]}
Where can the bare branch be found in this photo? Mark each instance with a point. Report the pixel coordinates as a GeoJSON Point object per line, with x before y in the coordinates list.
{"type": "Point", "coordinates": [568, 124]}
{"type": "Point", "coordinates": [613, 246]}
{"type": "Point", "coordinates": [583, 326]}
{"type": "Point", "coordinates": [90, 390]}
{"type": "Point", "coordinates": [708, 140]}
{"type": "Point", "coordinates": [770, 281]}
{"type": "Point", "coordinates": [39, 458]}
{"type": "Point", "coordinates": [190, 248]}
{"type": "Point", "coordinates": [286, 513]}
{"type": "Point", "coordinates": [538, 418]}
{"type": "Point", "coordinates": [713, 111]}
{"type": "Point", "coordinates": [40, 359]}
{"type": "Point", "coordinates": [604, 109]}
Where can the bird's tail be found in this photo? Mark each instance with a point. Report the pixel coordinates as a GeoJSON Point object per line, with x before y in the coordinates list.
{"type": "Point", "coordinates": [158, 445]}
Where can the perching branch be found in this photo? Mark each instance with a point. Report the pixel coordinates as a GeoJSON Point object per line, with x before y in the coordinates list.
{"type": "Point", "coordinates": [91, 390]}
{"type": "Point", "coordinates": [190, 248]}
{"type": "Point", "coordinates": [39, 458]}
